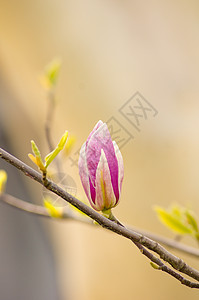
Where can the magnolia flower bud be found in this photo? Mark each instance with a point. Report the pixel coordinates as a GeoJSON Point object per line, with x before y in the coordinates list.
{"type": "Point", "coordinates": [101, 168]}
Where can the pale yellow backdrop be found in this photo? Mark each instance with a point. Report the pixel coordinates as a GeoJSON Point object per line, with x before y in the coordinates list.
{"type": "Point", "coordinates": [110, 50]}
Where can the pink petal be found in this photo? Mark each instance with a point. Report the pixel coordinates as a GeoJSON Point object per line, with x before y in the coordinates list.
{"type": "Point", "coordinates": [99, 123]}
{"type": "Point", "coordinates": [101, 139]}
{"type": "Point", "coordinates": [83, 171]}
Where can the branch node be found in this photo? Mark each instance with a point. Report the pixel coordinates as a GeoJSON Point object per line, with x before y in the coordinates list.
{"type": "Point", "coordinates": [46, 182]}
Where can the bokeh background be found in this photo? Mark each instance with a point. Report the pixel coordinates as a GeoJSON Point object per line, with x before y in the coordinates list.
{"type": "Point", "coordinates": [110, 50]}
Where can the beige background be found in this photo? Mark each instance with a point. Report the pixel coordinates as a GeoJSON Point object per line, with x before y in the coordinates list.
{"type": "Point", "coordinates": [110, 49]}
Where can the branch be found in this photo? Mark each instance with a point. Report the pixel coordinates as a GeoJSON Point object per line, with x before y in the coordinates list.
{"type": "Point", "coordinates": [159, 265]}
{"type": "Point", "coordinates": [174, 261]}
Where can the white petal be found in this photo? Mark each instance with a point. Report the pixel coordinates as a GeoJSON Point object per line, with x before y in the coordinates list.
{"type": "Point", "coordinates": [120, 165]}
{"type": "Point", "coordinates": [105, 197]}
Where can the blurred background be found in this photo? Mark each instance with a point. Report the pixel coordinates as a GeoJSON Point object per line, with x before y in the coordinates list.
{"type": "Point", "coordinates": [110, 50]}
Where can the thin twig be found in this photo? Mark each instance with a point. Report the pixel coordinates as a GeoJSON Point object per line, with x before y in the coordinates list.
{"type": "Point", "coordinates": [68, 215]}
{"type": "Point", "coordinates": [173, 244]}
{"type": "Point", "coordinates": [40, 210]}
{"type": "Point", "coordinates": [49, 118]}
{"type": "Point", "coordinates": [25, 206]}
{"type": "Point", "coordinates": [174, 261]}
{"type": "Point", "coordinates": [48, 126]}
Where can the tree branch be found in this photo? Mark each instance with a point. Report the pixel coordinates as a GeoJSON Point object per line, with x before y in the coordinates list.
{"type": "Point", "coordinates": [159, 265]}
{"type": "Point", "coordinates": [137, 238]}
